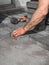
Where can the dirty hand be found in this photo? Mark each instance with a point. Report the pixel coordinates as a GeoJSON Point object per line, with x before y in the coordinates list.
{"type": "Point", "coordinates": [23, 18]}
{"type": "Point", "coordinates": [18, 32]}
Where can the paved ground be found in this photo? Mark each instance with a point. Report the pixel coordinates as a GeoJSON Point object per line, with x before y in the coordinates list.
{"type": "Point", "coordinates": [29, 49]}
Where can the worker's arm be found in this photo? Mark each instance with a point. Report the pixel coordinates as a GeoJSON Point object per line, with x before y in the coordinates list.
{"type": "Point", "coordinates": [35, 19]}
{"type": "Point", "coordinates": [38, 16]}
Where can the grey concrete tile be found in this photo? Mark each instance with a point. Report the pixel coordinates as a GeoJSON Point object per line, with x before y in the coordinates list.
{"type": "Point", "coordinates": [42, 37]}
{"type": "Point", "coordinates": [24, 50]}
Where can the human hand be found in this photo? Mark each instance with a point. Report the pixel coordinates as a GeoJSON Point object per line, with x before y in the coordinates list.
{"type": "Point", "coordinates": [23, 18]}
{"type": "Point", "coordinates": [18, 32]}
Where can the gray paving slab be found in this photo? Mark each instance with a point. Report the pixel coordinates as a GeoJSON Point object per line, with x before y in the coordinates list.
{"type": "Point", "coordinates": [42, 37]}
{"type": "Point", "coordinates": [24, 50]}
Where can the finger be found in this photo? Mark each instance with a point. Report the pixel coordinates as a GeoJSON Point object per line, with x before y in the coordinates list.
{"type": "Point", "coordinates": [21, 18]}
{"type": "Point", "coordinates": [17, 36]}
{"type": "Point", "coordinates": [13, 35]}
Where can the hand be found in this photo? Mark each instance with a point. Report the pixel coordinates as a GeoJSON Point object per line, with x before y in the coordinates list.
{"type": "Point", "coordinates": [22, 18]}
{"type": "Point", "coordinates": [18, 32]}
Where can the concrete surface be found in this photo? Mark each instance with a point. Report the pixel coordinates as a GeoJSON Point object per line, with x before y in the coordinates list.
{"type": "Point", "coordinates": [26, 49]}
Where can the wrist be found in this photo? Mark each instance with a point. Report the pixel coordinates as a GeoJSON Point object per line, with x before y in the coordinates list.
{"type": "Point", "coordinates": [25, 29]}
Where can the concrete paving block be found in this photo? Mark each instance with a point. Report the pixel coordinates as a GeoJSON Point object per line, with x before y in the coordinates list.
{"type": "Point", "coordinates": [6, 21]}
{"type": "Point", "coordinates": [42, 37]}
{"type": "Point", "coordinates": [22, 51]}
{"type": "Point", "coordinates": [5, 32]}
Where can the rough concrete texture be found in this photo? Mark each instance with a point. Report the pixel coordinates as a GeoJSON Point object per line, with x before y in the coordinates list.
{"type": "Point", "coordinates": [25, 50]}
